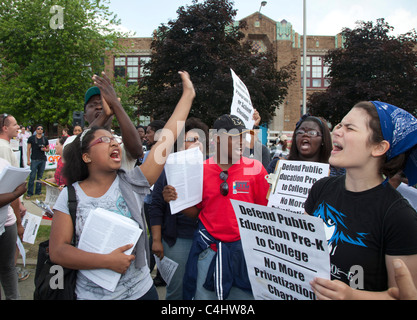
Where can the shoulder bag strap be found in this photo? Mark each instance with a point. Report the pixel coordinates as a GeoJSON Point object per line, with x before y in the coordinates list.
{"type": "Point", "coordinates": [72, 205]}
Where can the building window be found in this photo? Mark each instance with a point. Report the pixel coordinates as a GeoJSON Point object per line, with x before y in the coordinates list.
{"type": "Point", "coordinates": [317, 71]}
{"type": "Point", "coordinates": [131, 67]}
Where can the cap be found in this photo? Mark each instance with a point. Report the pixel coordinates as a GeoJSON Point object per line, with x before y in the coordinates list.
{"type": "Point", "coordinates": [93, 91]}
{"type": "Point", "coordinates": [230, 122]}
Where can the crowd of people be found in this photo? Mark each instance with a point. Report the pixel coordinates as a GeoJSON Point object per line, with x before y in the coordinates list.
{"type": "Point", "coordinates": [373, 170]}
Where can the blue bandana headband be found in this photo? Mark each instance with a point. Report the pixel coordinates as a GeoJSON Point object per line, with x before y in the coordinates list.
{"type": "Point", "coordinates": [399, 128]}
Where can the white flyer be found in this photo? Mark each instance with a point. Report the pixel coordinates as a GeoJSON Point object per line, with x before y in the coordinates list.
{"type": "Point", "coordinates": [31, 223]}
{"type": "Point", "coordinates": [103, 232]}
{"type": "Point", "coordinates": [184, 171]}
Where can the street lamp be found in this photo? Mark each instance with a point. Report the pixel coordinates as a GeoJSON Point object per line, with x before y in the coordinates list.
{"type": "Point", "coordinates": [263, 4]}
{"type": "Point", "coordinates": [304, 58]}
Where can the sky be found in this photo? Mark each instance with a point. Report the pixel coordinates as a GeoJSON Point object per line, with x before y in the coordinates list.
{"type": "Point", "coordinates": [324, 17]}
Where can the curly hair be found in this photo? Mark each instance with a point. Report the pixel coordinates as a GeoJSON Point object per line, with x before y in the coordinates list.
{"type": "Point", "coordinates": [75, 169]}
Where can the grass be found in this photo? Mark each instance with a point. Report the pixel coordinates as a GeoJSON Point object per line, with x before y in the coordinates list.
{"type": "Point", "coordinates": [32, 249]}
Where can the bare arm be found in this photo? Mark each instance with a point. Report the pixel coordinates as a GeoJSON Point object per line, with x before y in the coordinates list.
{"type": "Point", "coordinates": [337, 290]}
{"type": "Point", "coordinates": [66, 255]}
{"type": "Point", "coordinates": [6, 198]}
{"type": "Point", "coordinates": [155, 161]}
{"type": "Point", "coordinates": [130, 135]}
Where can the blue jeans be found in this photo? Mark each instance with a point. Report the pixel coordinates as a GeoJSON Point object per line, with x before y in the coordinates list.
{"type": "Point", "coordinates": [202, 293]}
{"type": "Point", "coordinates": [179, 253]}
{"type": "Point", "coordinates": [37, 167]}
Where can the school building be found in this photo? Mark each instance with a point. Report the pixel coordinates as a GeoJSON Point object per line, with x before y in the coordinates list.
{"type": "Point", "coordinates": [266, 34]}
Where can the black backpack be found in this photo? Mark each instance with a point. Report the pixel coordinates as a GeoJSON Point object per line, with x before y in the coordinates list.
{"type": "Point", "coordinates": [44, 275]}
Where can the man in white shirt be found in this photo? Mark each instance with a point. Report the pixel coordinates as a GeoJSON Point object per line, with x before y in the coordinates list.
{"type": "Point", "coordinates": [8, 130]}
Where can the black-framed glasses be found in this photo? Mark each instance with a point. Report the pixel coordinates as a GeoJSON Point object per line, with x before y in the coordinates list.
{"type": "Point", "coordinates": [39, 128]}
{"type": "Point", "coordinates": [105, 139]}
{"type": "Point", "coordinates": [310, 133]}
{"type": "Point", "coordinates": [224, 187]}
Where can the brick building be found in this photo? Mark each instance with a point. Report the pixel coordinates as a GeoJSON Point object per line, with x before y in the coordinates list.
{"type": "Point", "coordinates": [266, 34]}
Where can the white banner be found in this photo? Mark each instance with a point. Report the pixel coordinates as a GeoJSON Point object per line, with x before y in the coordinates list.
{"type": "Point", "coordinates": [283, 251]}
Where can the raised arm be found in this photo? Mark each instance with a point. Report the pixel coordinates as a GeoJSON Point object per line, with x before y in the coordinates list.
{"type": "Point", "coordinates": [112, 105]}
{"type": "Point", "coordinates": [155, 161]}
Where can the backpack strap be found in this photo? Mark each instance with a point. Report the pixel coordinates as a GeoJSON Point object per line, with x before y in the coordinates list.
{"type": "Point", "coordinates": [72, 206]}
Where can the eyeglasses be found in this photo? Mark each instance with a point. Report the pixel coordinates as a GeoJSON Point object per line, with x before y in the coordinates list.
{"type": "Point", "coordinates": [192, 139]}
{"type": "Point", "coordinates": [105, 139]}
{"type": "Point", "coordinates": [224, 187]}
{"type": "Point", "coordinates": [39, 128]}
{"type": "Point", "coordinates": [310, 133]}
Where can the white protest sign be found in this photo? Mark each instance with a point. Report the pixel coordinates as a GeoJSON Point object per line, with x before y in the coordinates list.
{"type": "Point", "coordinates": [295, 179]}
{"type": "Point", "coordinates": [241, 103]}
{"type": "Point", "coordinates": [283, 251]}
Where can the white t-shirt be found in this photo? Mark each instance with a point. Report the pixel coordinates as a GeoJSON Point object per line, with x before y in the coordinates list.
{"type": "Point", "coordinates": [410, 193]}
{"type": "Point", "coordinates": [135, 282]}
{"type": "Point", "coordinates": [6, 212]}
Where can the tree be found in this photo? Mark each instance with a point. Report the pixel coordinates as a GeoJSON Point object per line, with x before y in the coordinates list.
{"type": "Point", "coordinates": [372, 66]}
{"type": "Point", "coordinates": [205, 41]}
{"type": "Point", "coordinates": [48, 52]}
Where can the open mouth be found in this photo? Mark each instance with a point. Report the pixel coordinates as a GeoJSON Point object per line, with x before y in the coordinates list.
{"type": "Point", "coordinates": [337, 147]}
{"type": "Point", "coordinates": [305, 144]}
{"type": "Point", "coordinates": [115, 155]}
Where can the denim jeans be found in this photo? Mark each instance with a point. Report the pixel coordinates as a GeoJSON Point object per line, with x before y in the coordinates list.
{"type": "Point", "coordinates": [202, 293]}
{"type": "Point", "coordinates": [37, 167]}
{"type": "Point", "coordinates": [179, 253]}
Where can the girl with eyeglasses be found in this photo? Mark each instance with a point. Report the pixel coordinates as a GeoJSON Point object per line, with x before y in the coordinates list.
{"type": "Point", "coordinates": [311, 141]}
{"type": "Point", "coordinates": [92, 166]}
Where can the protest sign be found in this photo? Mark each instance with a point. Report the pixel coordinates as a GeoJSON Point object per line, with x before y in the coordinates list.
{"type": "Point", "coordinates": [241, 103]}
{"type": "Point", "coordinates": [51, 156]}
{"type": "Point", "coordinates": [283, 251]}
{"type": "Point", "coordinates": [294, 181]}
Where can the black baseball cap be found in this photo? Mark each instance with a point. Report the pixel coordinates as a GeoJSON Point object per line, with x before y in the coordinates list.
{"type": "Point", "coordinates": [230, 124]}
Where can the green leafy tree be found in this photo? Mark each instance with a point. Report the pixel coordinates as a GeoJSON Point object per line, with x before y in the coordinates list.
{"type": "Point", "coordinates": [48, 52]}
{"type": "Point", "coordinates": [373, 65]}
{"type": "Point", "coordinates": [205, 41]}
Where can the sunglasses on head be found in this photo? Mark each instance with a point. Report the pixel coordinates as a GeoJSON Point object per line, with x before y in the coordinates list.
{"type": "Point", "coordinates": [224, 187]}
{"type": "Point", "coordinates": [5, 115]}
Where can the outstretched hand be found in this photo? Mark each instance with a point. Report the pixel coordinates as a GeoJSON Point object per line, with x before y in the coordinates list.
{"type": "Point", "coordinates": [108, 94]}
{"type": "Point", "coordinates": [187, 85]}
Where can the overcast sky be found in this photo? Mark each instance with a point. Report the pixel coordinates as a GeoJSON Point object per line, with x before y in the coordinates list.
{"type": "Point", "coordinates": [324, 17]}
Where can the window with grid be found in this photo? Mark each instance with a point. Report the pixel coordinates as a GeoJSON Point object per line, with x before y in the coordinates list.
{"type": "Point", "coordinates": [317, 71]}
{"type": "Point", "coordinates": [131, 67]}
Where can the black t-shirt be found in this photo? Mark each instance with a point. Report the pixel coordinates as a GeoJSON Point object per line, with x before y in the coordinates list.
{"type": "Point", "coordinates": [37, 144]}
{"type": "Point", "coordinates": [363, 227]}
